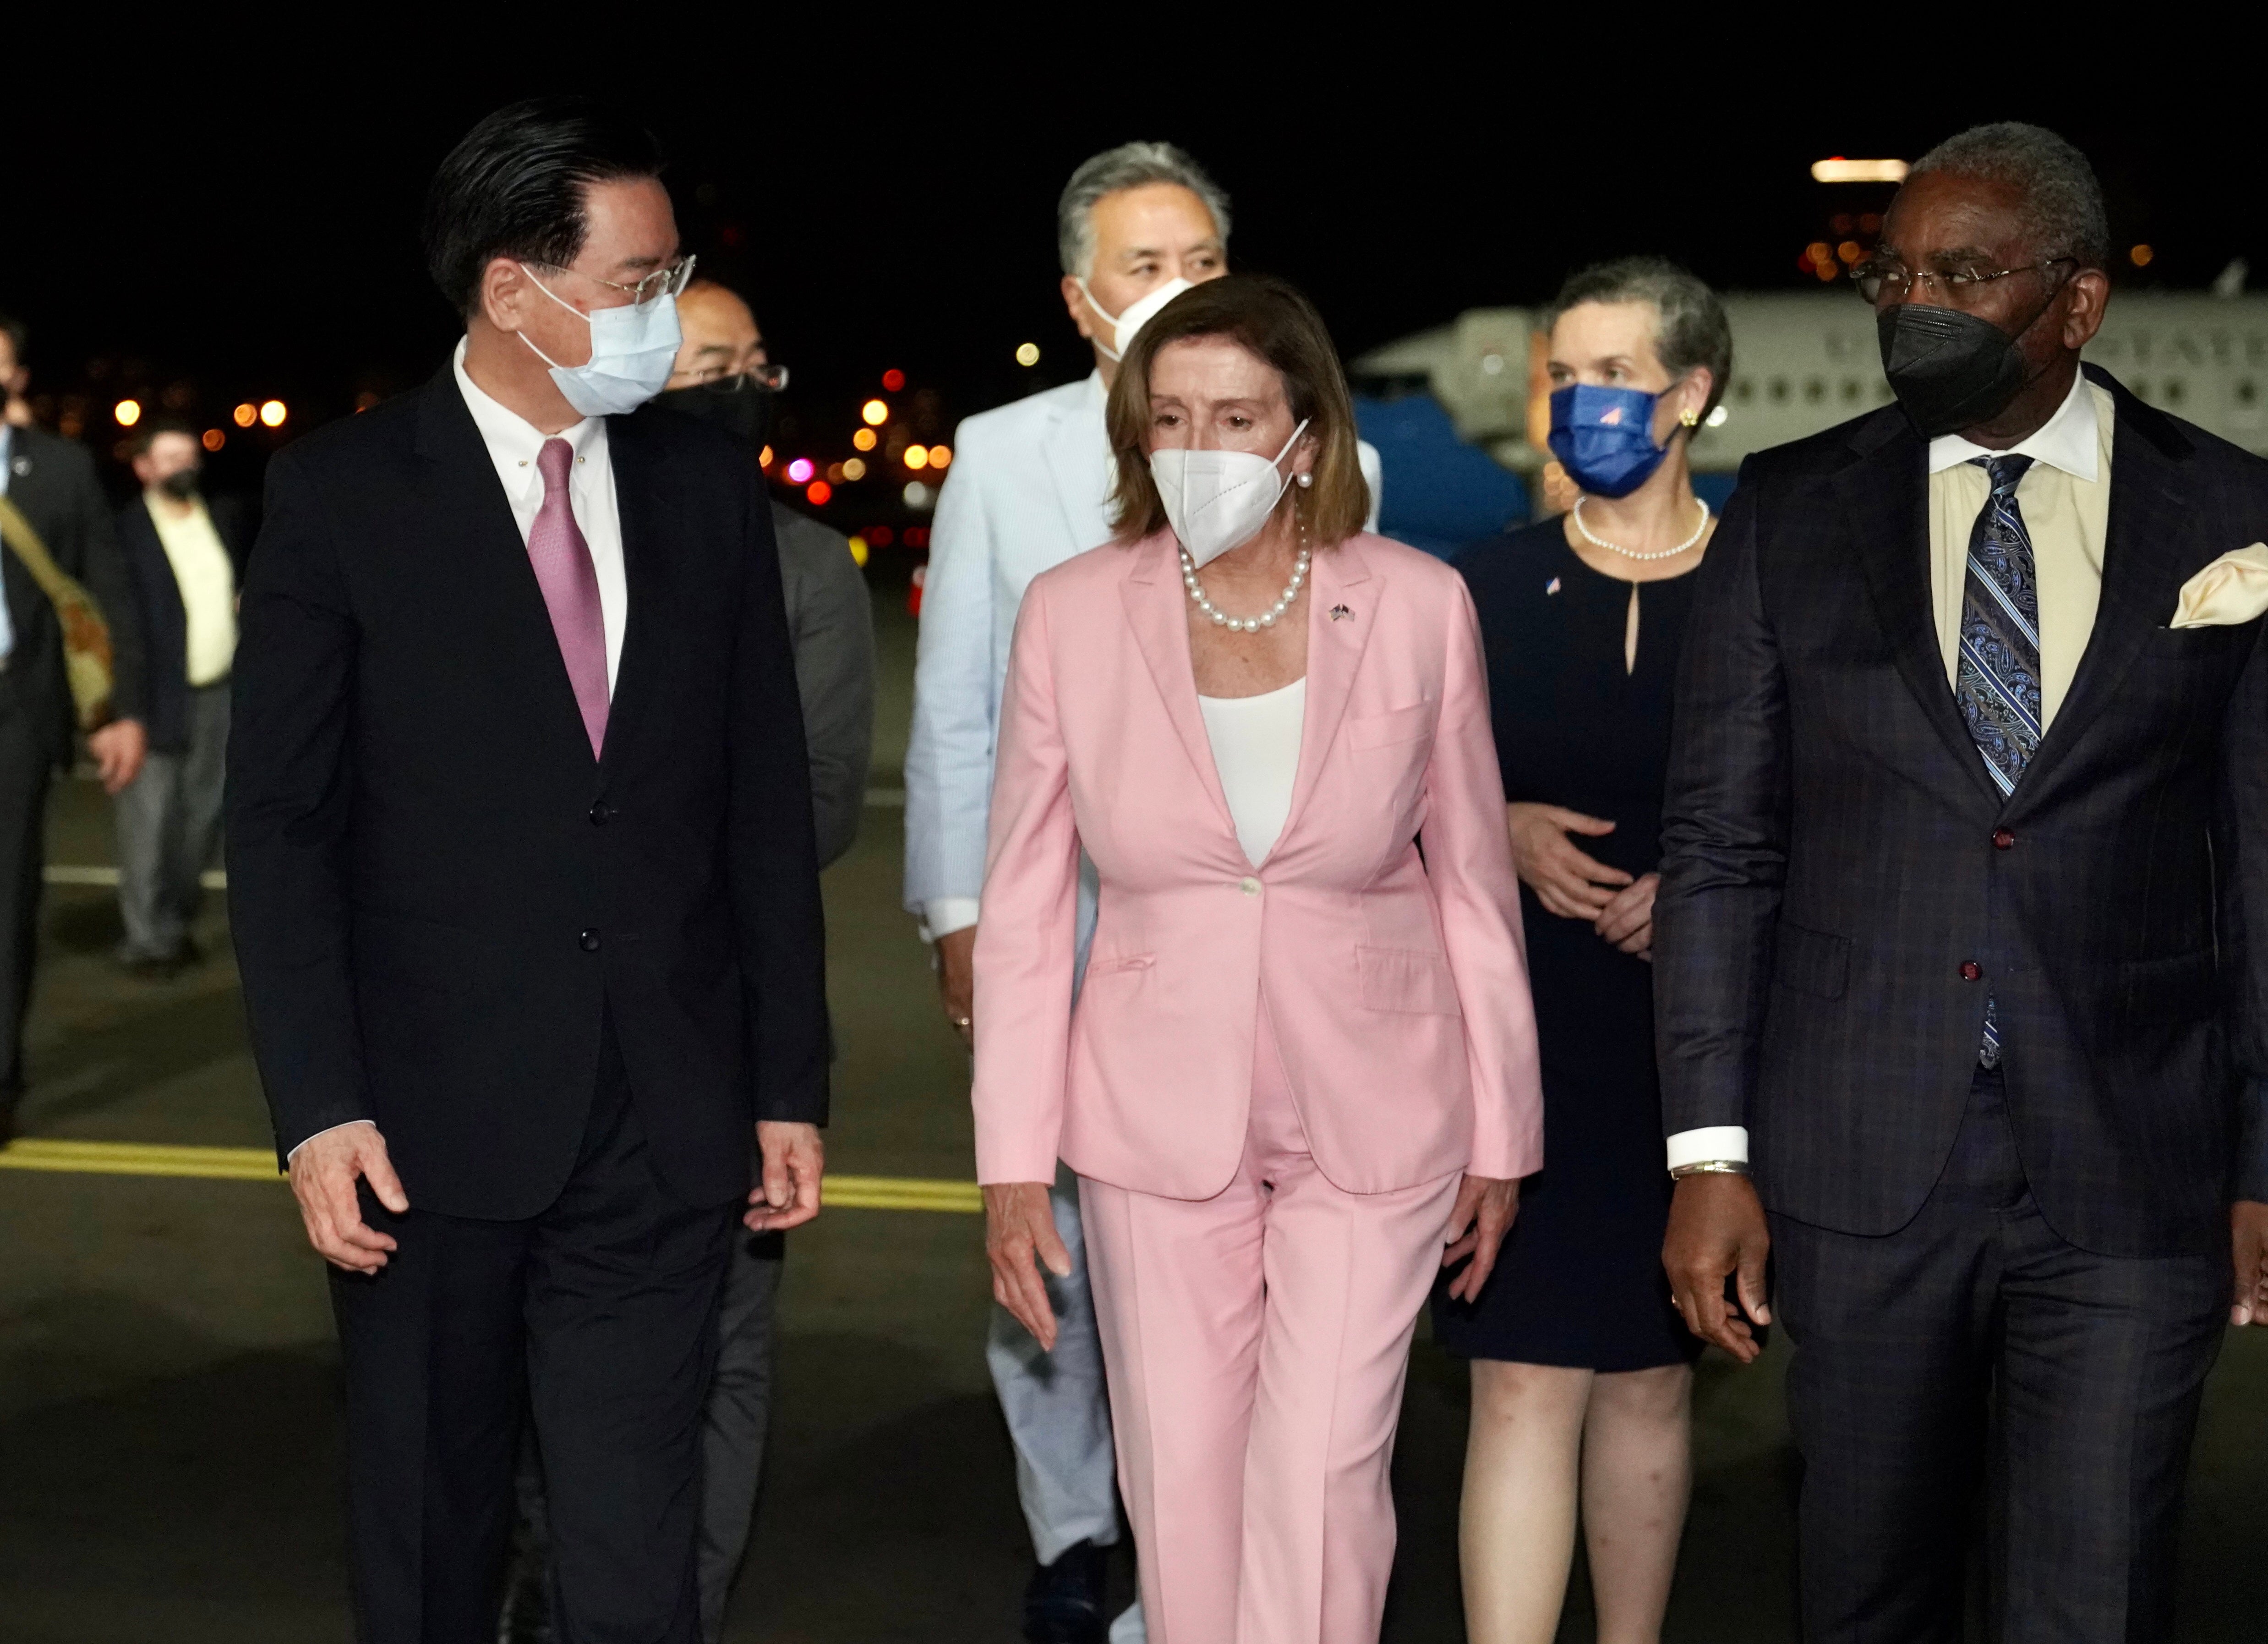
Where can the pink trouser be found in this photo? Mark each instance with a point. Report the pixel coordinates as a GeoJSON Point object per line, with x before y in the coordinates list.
{"type": "Point", "coordinates": [1256, 1344]}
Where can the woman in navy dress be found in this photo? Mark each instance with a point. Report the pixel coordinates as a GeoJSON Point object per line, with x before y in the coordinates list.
{"type": "Point", "coordinates": [1581, 1371]}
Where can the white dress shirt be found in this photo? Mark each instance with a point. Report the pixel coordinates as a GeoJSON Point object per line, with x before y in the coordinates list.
{"type": "Point", "coordinates": [513, 442]}
{"type": "Point", "coordinates": [1255, 749]}
{"type": "Point", "coordinates": [2064, 498]}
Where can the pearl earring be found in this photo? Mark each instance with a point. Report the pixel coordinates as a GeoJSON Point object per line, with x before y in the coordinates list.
{"type": "Point", "coordinates": [1307, 480]}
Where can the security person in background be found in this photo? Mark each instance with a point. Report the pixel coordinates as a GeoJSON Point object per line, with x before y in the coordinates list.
{"type": "Point", "coordinates": [51, 483]}
{"type": "Point", "coordinates": [185, 555]}
{"type": "Point", "coordinates": [725, 375]}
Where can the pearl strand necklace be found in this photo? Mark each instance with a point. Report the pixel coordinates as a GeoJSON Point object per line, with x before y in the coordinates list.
{"type": "Point", "coordinates": [1246, 625]}
{"type": "Point", "coordinates": [1632, 553]}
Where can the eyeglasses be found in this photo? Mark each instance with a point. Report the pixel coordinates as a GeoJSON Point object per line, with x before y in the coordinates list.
{"type": "Point", "coordinates": [668, 281]}
{"type": "Point", "coordinates": [765, 376]}
{"type": "Point", "coordinates": [1882, 279]}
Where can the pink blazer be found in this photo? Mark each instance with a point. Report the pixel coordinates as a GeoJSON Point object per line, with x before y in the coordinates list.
{"type": "Point", "coordinates": [1396, 984]}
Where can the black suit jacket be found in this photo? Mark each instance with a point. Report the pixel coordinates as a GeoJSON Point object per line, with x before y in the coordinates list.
{"type": "Point", "coordinates": [1833, 856]}
{"type": "Point", "coordinates": [52, 483]}
{"type": "Point", "coordinates": [437, 894]}
{"type": "Point", "coordinates": [164, 622]}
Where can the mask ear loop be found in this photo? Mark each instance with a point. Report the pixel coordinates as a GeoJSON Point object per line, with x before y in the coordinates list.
{"type": "Point", "coordinates": [1103, 314]}
{"type": "Point", "coordinates": [555, 298]}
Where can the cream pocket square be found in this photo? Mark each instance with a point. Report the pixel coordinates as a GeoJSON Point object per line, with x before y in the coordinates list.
{"type": "Point", "coordinates": [2233, 589]}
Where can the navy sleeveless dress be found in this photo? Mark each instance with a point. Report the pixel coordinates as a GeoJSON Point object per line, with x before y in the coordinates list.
{"type": "Point", "coordinates": [1579, 1281]}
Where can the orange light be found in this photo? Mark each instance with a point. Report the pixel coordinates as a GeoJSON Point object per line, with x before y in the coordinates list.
{"type": "Point", "coordinates": [940, 456]}
{"type": "Point", "coordinates": [213, 440]}
{"type": "Point", "coordinates": [1835, 169]}
{"type": "Point", "coordinates": [864, 439]}
{"type": "Point", "coordinates": [1824, 270]}
{"type": "Point", "coordinates": [245, 416]}
{"type": "Point", "coordinates": [128, 412]}
{"type": "Point", "coordinates": [874, 413]}
{"type": "Point", "coordinates": [272, 413]}
{"type": "Point", "coordinates": [894, 380]}
{"type": "Point", "coordinates": [2140, 256]}
{"type": "Point", "coordinates": [1848, 251]}
{"type": "Point", "coordinates": [818, 492]}
{"type": "Point", "coordinates": [764, 458]}
{"type": "Point", "coordinates": [1818, 251]}
{"type": "Point", "coordinates": [917, 457]}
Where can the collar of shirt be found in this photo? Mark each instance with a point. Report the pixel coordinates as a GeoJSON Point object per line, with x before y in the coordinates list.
{"type": "Point", "coordinates": [513, 441]}
{"type": "Point", "coordinates": [7, 451]}
{"type": "Point", "coordinates": [2067, 440]}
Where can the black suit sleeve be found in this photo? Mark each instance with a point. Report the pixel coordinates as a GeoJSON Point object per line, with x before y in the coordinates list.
{"type": "Point", "coordinates": [290, 786]}
{"type": "Point", "coordinates": [1723, 836]}
{"type": "Point", "coordinates": [93, 555]}
{"type": "Point", "coordinates": [2241, 844]}
{"type": "Point", "coordinates": [771, 855]}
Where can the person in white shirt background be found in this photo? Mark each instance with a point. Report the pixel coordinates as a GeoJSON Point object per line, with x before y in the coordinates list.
{"type": "Point", "coordinates": [1136, 226]}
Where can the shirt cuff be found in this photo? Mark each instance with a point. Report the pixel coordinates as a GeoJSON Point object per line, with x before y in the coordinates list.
{"type": "Point", "coordinates": [1708, 1144]}
{"type": "Point", "coordinates": [304, 1140]}
{"type": "Point", "coordinates": [942, 915]}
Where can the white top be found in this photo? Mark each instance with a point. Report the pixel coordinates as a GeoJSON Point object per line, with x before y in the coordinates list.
{"type": "Point", "coordinates": [513, 443]}
{"type": "Point", "coordinates": [1256, 748]}
{"type": "Point", "coordinates": [207, 581]}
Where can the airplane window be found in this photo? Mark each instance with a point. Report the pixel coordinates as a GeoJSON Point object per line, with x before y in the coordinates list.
{"type": "Point", "coordinates": [1850, 388]}
{"type": "Point", "coordinates": [1744, 390]}
{"type": "Point", "coordinates": [2246, 392]}
{"type": "Point", "coordinates": [1779, 388]}
{"type": "Point", "coordinates": [1815, 389]}
{"type": "Point", "coordinates": [2174, 390]}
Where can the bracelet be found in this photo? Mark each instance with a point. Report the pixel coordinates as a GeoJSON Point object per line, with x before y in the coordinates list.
{"type": "Point", "coordinates": [1710, 1167]}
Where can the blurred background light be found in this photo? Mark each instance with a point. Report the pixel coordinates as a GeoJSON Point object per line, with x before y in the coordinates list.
{"type": "Point", "coordinates": [864, 439]}
{"type": "Point", "coordinates": [1028, 353]}
{"type": "Point", "coordinates": [939, 455]}
{"type": "Point", "coordinates": [800, 469]}
{"type": "Point", "coordinates": [128, 412]}
{"type": "Point", "coordinates": [894, 380]}
{"type": "Point", "coordinates": [213, 440]}
{"type": "Point", "coordinates": [818, 492]}
{"type": "Point", "coordinates": [876, 412]}
{"type": "Point", "coordinates": [245, 415]}
{"type": "Point", "coordinates": [272, 412]}
{"type": "Point", "coordinates": [1835, 169]}
{"type": "Point", "coordinates": [917, 457]}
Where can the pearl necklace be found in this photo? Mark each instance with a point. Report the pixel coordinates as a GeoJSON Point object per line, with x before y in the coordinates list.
{"type": "Point", "coordinates": [1247, 624]}
{"type": "Point", "coordinates": [1631, 553]}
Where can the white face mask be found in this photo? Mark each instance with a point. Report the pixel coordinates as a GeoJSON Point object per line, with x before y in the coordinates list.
{"type": "Point", "coordinates": [1127, 326]}
{"type": "Point", "coordinates": [1219, 500]}
{"type": "Point", "coordinates": [632, 349]}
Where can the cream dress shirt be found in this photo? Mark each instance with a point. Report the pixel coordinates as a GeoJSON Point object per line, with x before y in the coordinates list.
{"type": "Point", "coordinates": [2064, 498]}
{"type": "Point", "coordinates": [207, 580]}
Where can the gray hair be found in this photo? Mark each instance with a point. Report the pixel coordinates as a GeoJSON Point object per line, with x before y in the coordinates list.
{"type": "Point", "coordinates": [1690, 328]}
{"type": "Point", "coordinates": [1128, 165]}
{"type": "Point", "coordinates": [2063, 214]}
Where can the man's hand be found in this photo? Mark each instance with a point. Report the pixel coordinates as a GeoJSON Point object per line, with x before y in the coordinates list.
{"type": "Point", "coordinates": [1628, 921]}
{"type": "Point", "coordinates": [956, 980]}
{"type": "Point", "coordinates": [118, 749]}
{"type": "Point", "coordinates": [2248, 1226]}
{"type": "Point", "coordinates": [1566, 881]}
{"type": "Point", "coordinates": [794, 1160]}
{"type": "Point", "coordinates": [324, 1170]}
{"type": "Point", "coordinates": [1717, 1226]}
{"type": "Point", "coordinates": [1478, 1221]}
{"type": "Point", "coordinates": [1019, 1228]}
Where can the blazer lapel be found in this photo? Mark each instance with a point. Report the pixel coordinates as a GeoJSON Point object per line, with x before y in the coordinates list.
{"type": "Point", "coordinates": [1155, 611]}
{"type": "Point", "coordinates": [1339, 579]}
{"type": "Point", "coordinates": [1079, 464]}
{"type": "Point", "coordinates": [1885, 497]}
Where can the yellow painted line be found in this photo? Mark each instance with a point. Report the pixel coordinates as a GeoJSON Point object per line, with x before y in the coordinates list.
{"type": "Point", "coordinates": [82, 873]}
{"type": "Point", "coordinates": [258, 1164]}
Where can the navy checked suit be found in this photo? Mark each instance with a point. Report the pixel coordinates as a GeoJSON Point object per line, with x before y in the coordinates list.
{"type": "Point", "coordinates": [1843, 887]}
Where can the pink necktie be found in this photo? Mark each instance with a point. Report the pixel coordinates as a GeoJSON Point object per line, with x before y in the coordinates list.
{"type": "Point", "coordinates": [562, 559]}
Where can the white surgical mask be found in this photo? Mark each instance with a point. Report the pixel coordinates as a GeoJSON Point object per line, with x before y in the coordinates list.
{"type": "Point", "coordinates": [632, 349]}
{"type": "Point", "coordinates": [1219, 500]}
{"type": "Point", "coordinates": [1127, 326]}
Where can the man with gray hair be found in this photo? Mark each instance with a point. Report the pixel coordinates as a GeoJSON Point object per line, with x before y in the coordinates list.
{"type": "Point", "coordinates": [1965, 858]}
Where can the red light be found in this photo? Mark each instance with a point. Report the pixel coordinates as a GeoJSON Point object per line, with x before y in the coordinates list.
{"type": "Point", "coordinates": [917, 536]}
{"type": "Point", "coordinates": [819, 491]}
{"type": "Point", "coordinates": [799, 470]}
{"type": "Point", "coordinates": [880, 535]}
{"type": "Point", "coordinates": [894, 380]}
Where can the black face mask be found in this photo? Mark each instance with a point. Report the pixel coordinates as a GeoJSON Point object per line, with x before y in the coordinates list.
{"type": "Point", "coordinates": [735, 404]}
{"type": "Point", "coordinates": [1951, 370]}
{"type": "Point", "coordinates": [180, 484]}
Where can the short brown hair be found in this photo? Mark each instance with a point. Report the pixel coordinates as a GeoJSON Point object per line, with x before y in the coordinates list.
{"type": "Point", "coordinates": [1269, 318]}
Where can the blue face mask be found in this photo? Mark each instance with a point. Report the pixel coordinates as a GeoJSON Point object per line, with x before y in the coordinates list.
{"type": "Point", "coordinates": [633, 350]}
{"type": "Point", "coordinates": [1604, 437]}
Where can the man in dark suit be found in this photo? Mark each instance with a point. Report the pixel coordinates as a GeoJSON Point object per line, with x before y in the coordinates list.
{"type": "Point", "coordinates": [521, 868]}
{"type": "Point", "coordinates": [185, 556]}
{"type": "Point", "coordinates": [51, 481]}
{"type": "Point", "coordinates": [1965, 858]}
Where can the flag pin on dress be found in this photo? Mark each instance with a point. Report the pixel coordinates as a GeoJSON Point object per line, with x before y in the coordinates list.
{"type": "Point", "coordinates": [1341, 613]}
{"type": "Point", "coordinates": [1551, 586]}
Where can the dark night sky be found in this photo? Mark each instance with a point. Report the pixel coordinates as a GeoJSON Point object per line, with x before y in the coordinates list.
{"type": "Point", "coordinates": [253, 231]}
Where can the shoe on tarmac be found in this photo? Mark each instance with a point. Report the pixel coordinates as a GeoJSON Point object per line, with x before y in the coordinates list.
{"type": "Point", "coordinates": [1063, 1603]}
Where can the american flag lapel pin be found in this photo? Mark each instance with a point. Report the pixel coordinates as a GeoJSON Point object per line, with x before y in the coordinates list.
{"type": "Point", "coordinates": [1341, 613]}
{"type": "Point", "coordinates": [1551, 586]}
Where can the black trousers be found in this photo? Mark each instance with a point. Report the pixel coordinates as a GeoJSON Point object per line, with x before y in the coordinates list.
{"type": "Point", "coordinates": [1974, 1346]}
{"type": "Point", "coordinates": [597, 1319]}
{"type": "Point", "coordinates": [25, 767]}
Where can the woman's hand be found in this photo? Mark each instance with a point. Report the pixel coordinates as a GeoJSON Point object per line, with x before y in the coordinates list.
{"type": "Point", "coordinates": [1628, 921]}
{"type": "Point", "coordinates": [1019, 1228]}
{"type": "Point", "coordinates": [1565, 880]}
{"type": "Point", "coordinates": [1483, 1215]}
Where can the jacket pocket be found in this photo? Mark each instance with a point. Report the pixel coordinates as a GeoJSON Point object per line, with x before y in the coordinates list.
{"type": "Point", "coordinates": [2179, 989]}
{"type": "Point", "coordinates": [1396, 725]}
{"type": "Point", "coordinates": [1099, 966]}
{"type": "Point", "coordinates": [1412, 983]}
{"type": "Point", "coordinates": [1812, 961]}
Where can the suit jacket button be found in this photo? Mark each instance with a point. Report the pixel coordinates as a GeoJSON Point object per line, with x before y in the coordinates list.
{"type": "Point", "coordinates": [2002, 838]}
{"type": "Point", "coordinates": [1249, 887]}
{"type": "Point", "coordinates": [1969, 968]}
{"type": "Point", "coordinates": [599, 814]}
{"type": "Point", "coordinates": [590, 942]}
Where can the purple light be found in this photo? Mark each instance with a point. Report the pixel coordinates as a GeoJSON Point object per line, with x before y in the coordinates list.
{"type": "Point", "coordinates": [799, 470]}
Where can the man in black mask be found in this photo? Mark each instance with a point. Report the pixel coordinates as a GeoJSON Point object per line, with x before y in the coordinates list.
{"type": "Point", "coordinates": [1965, 868]}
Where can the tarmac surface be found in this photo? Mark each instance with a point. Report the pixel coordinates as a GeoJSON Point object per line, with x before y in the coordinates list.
{"type": "Point", "coordinates": [170, 1417]}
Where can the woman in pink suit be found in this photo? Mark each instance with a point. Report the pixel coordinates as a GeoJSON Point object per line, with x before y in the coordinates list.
{"type": "Point", "coordinates": [1300, 1075]}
